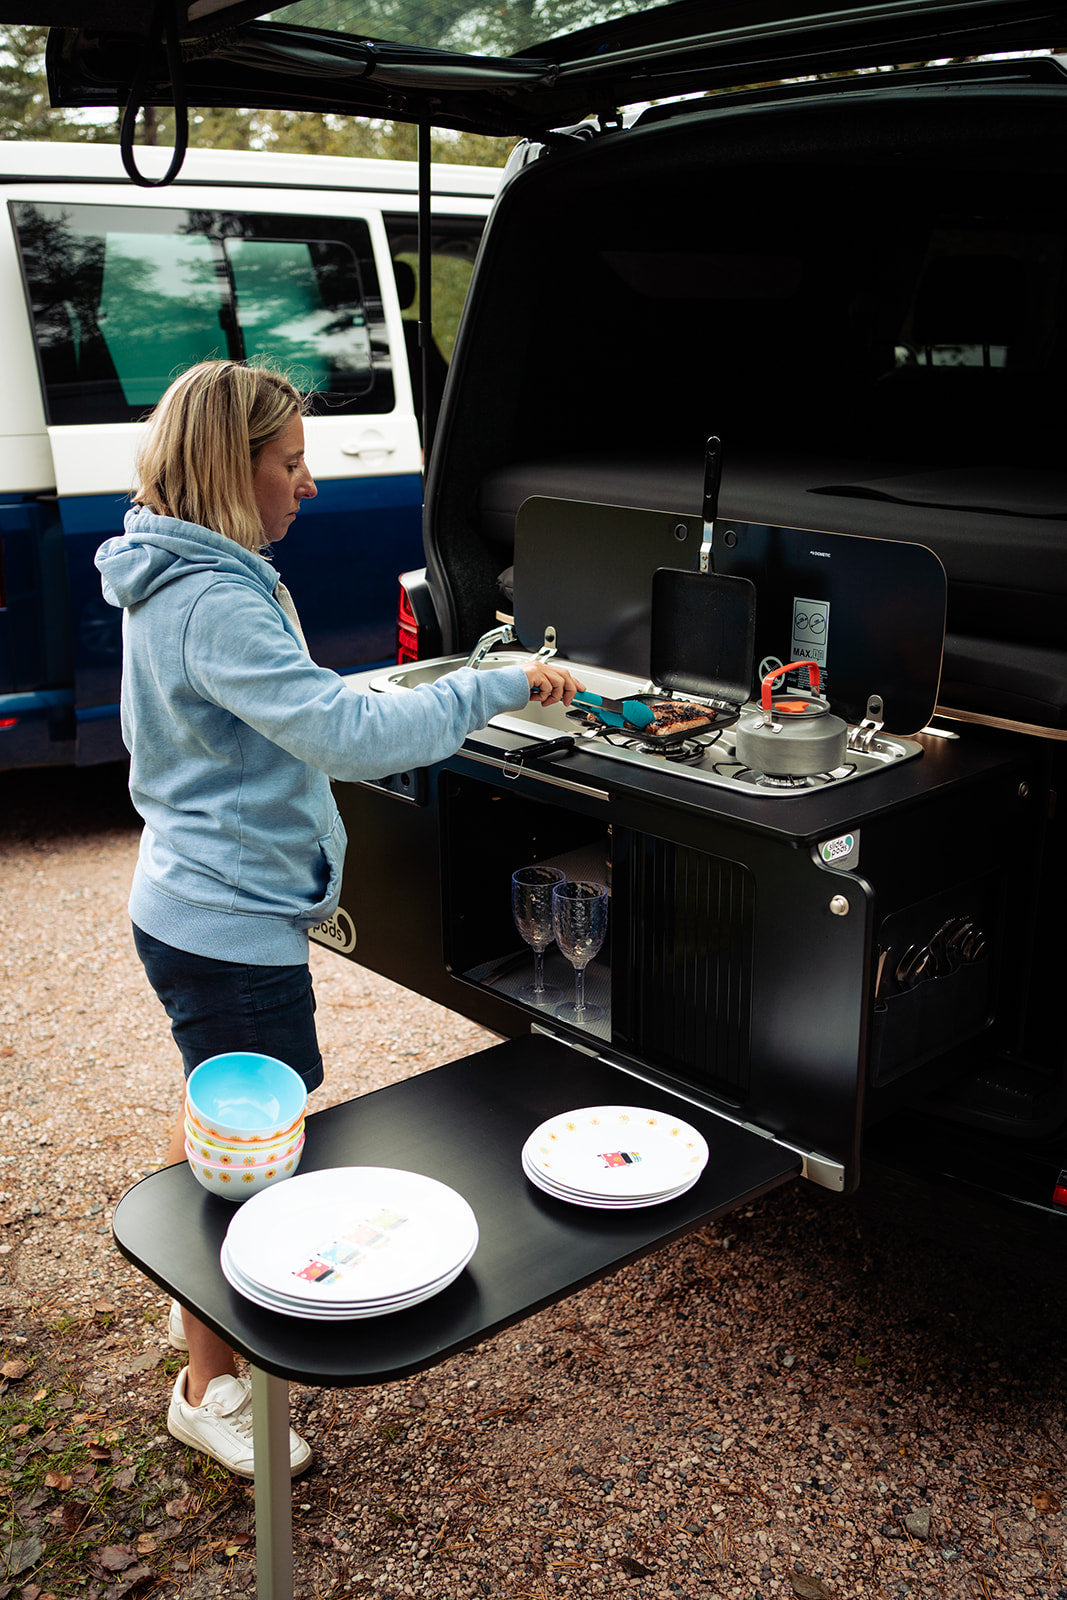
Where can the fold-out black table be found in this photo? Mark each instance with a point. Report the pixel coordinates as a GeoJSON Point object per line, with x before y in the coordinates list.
{"type": "Point", "coordinates": [464, 1124]}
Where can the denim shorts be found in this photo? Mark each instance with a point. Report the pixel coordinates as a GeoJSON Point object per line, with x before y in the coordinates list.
{"type": "Point", "coordinates": [218, 1006]}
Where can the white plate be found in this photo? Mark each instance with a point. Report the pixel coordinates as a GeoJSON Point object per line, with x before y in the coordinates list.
{"type": "Point", "coordinates": [351, 1236]}
{"type": "Point", "coordinates": [241, 1281]}
{"type": "Point", "coordinates": [570, 1197]}
{"type": "Point", "coordinates": [616, 1152]}
{"type": "Point", "coordinates": [566, 1193]}
{"type": "Point", "coordinates": [340, 1313]}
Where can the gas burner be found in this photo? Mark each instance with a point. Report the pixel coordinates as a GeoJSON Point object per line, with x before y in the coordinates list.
{"type": "Point", "coordinates": [684, 750]}
{"type": "Point", "coordinates": [733, 772]}
{"type": "Point", "coordinates": [765, 780]}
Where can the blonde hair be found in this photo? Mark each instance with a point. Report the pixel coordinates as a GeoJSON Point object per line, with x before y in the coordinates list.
{"type": "Point", "coordinates": [198, 456]}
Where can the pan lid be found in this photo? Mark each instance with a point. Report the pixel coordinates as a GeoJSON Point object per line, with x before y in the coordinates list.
{"type": "Point", "coordinates": [703, 634]}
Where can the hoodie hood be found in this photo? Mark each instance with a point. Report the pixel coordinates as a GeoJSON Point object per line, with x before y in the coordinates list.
{"type": "Point", "coordinates": [155, 551]}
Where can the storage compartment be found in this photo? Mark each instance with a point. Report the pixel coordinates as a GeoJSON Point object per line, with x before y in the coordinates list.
{"type": "Point", "coordinates": [740, 967]}
{"type": "Point", "coordinates": [501, 832]}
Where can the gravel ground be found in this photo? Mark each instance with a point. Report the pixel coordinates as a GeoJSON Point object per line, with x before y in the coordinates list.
{"type": "Point", "coordinates": [797, 1401]}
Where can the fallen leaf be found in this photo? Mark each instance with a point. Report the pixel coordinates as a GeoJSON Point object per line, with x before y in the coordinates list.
{"type": "Point", "coordinates": [19, 1431]}
{"type": "Point", "coordinates": [810, 1588]}
{"type": "Point", "coordinates": [131, 1578]}
{"type": "Point", "coordinates": [15, 1369]}
{"type": "Point", "coordinates": [23, 1554]}
{"type": "Point", "coordinates": [178, 1508]}
{"type": "Point", "coordinates": [58, 1480]}
{"type": "Point", "coordinates": [84, 1475]}
{"type": "Point", "coordinates": [146, 1544]}
{"type": "Point", "coordinates": [1045, 1501]}
{"type": "Point", "coordinates": [115, 1558]}
{"type": "Point", "coordinates": [98, 1451]}
{"type": "Point", "coordinates": [634, 1569]}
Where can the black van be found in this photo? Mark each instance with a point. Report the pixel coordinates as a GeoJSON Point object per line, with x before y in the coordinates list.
{"type": "Point", "coordinates": [756, 416]}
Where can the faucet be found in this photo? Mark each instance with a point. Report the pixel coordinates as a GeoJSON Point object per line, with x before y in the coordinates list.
{"type": "Point", "coordinates": [504, 635]}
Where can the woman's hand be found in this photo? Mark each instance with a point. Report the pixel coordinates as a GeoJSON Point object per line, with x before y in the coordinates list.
{"type": "Point", "coordinates": [551, 683]}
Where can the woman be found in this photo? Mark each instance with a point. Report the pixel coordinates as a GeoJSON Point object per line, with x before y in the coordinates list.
{"type": "Point", "coordinates": [234, 735]}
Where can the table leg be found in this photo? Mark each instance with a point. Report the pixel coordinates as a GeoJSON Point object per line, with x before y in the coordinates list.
{"type": "Point", "coordinates": [274, 1492]}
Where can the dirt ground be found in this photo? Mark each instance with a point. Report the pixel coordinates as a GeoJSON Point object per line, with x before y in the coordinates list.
{"type": "Point", "coordinates": [798, 1401]}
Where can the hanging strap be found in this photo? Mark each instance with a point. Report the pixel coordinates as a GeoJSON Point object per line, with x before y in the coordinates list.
{"type": "Point", "coordinates": [164, 24]}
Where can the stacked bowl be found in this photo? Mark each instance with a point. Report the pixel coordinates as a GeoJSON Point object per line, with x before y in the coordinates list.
{"type": "Point", "coordinates": [244, 1123]}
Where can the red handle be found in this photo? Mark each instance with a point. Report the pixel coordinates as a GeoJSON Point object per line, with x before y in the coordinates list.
{"type": "Point", "coordinates": [780, 672]}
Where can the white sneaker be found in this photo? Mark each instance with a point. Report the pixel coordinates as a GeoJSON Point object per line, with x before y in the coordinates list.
{"type": "Point", "coordinates": [222, 1426]}
{"type": "Point", "coordinates": [175, 1327]}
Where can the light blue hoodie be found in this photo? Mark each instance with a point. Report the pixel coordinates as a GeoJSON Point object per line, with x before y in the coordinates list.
{"type": "Point", "coordinates": [234, 734]}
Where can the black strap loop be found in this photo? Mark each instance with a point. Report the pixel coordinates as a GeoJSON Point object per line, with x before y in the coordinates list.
{"type": "Point", "coordinates": [164, 24]}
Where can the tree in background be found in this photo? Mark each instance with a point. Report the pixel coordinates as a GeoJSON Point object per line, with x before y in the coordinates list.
{"type": "Point", "coordinates": [25, 114]}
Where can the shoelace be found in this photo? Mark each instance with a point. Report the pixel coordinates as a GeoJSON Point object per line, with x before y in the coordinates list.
{"type": "Point", "coordinates": [239, 1419]}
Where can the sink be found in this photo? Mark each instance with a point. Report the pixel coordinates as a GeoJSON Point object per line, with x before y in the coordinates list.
{"type": "Point", "coordinates": [533, 721]}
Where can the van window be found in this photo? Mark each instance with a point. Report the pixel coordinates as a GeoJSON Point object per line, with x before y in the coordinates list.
{"type": "Point", "coordinates": [124, 298]}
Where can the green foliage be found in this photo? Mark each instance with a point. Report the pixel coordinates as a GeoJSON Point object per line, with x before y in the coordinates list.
{"type": "Point", "coordinates": [450, 278]}
{"type": "Point", "coordinates": [24, 108]}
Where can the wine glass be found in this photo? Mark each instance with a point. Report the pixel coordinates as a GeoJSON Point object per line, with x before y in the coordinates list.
{"type": "Point", "coordinates": [531, 907]}
{"type": "Point", "coordinates": [579, 921]}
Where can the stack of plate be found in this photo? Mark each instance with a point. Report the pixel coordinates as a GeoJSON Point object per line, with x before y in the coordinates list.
{"type": "Point", "coordinates": [349, 1242]}
{"type": "Point", "coordinates": [614, 1157]}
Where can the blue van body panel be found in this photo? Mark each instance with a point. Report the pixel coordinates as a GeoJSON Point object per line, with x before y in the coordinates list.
{"type": "Point", "coordinates": [34, 608]}
{"type": "Point", "coordinates": [342, 560]}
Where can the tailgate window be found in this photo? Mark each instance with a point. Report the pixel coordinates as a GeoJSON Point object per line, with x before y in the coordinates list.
{"type": "Point", "coordinates": [125, 298]}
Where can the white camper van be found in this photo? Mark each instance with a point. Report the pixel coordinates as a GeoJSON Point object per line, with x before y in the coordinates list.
{"type": "Point", "coordinates": [107, 291]}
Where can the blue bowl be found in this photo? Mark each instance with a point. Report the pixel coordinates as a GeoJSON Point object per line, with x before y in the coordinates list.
{"type": "Point", "coordinates": [244, 1095]}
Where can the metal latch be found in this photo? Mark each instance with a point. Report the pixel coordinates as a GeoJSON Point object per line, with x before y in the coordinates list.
{"type": "Point", "coordinates": [862, 737]}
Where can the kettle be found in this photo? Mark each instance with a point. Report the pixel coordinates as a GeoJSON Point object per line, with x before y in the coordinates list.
{"type": "Point", "coordinates": [794, 734]}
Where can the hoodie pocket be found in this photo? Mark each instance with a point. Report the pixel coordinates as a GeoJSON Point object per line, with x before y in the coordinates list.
{"type": "Point", "coordinates": [332, 848]}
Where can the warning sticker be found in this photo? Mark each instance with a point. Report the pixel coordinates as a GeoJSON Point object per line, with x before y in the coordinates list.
{"type": "Point", "coordinates": [811, 625]}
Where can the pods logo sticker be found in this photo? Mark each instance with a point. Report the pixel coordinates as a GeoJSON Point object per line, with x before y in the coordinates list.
{"type": "Point", "coordinates": [337, 932]}
{"type": "Point", "coordinates": [840, 852]}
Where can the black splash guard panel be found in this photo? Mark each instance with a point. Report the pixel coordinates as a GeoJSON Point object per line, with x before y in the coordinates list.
{"type": "Point", "coordinates": [586, 570]}
{"type": "Point", "coordinates": [869, 612]}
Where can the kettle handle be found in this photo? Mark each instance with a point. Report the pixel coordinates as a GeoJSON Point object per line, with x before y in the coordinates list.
{"type": "Point", "coordinates": [814, 679]}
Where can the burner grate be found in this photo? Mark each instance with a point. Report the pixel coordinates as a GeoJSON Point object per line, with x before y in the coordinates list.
{"type": "Point", "coordinates": [709, 758]}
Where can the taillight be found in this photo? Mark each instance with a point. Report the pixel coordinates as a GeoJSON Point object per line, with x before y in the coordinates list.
{"type": "Point", "coordinates": [1059, 1192]}
{"type": "Point", "coordinates": [407, 629]}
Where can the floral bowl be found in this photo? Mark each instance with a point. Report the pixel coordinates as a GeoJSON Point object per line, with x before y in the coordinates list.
{"type": "Point", "coordinates": [237, 1183]}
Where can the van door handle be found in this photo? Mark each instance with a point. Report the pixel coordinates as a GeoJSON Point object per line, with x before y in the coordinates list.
{"type": "Point", "coordinates": [370, 444]}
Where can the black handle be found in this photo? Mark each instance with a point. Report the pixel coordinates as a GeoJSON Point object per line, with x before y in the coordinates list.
{"type": "Point", "coordinates": [712, 479]}
{"type": "Point", "coordinates": [542, 750]}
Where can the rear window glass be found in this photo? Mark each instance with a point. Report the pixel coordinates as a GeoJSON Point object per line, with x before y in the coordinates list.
{"type": "Point", "coordinates": [471, 29]}
{"type": "Point", "coordinates": [123, 300]}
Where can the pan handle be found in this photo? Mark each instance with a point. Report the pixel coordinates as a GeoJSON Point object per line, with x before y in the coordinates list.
{"type": "Point", "coordinates": [712, 480]}
{"type": "Point", "coordinates": [779, 672]}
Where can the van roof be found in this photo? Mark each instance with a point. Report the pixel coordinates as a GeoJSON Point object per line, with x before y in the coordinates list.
{"type": "Point", "coordinates": [103, 162]}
